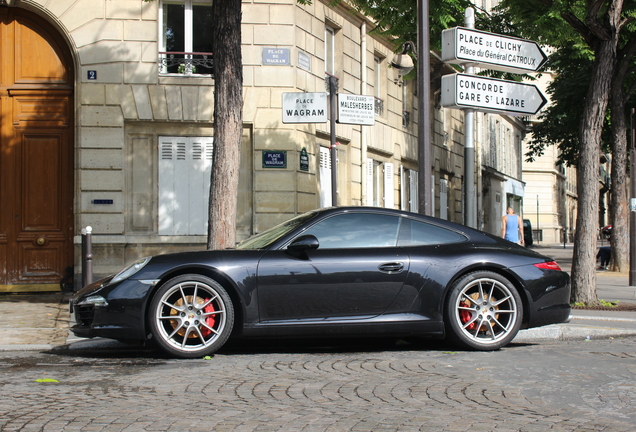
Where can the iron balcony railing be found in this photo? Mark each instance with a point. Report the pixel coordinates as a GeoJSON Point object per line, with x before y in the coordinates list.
{"type": "Point", "coordinates": [186, 63]}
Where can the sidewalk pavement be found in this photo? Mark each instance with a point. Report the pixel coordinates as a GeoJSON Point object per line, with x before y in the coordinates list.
{"type": "Point", "coordinates": [41, 321]}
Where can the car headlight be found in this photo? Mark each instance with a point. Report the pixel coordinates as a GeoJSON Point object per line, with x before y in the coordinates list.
{"type": "Point", "coordinates": [130, 270]}
{"type": "Point", "coordinates": [95, 300]}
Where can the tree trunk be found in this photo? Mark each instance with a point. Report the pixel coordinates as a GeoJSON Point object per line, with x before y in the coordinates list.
{"type": "Point", "coordinates": [619, 195]}
{"type": "Point", "coordinates": [620, 154]}
{"type": "Point", "coordinates": [228, 122]}
{"type": "Point", "coordinates": [584, 257]}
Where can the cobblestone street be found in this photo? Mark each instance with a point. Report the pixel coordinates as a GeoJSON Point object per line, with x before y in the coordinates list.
{"type": "Point", "coordinates": [565, 386]}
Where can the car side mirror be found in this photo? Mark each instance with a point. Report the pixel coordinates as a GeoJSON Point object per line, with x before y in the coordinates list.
{"type": "Point", "coordinates": [304, 243]}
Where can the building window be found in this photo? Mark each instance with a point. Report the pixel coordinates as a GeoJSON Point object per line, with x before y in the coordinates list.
{"type": "Point", "coordinates": [377, 73]}
{"type": "Point", "coordinates": [185, 37]}
{"type": "Point", "coordinates": [408, 189]}
{"type": "Point", "coordinates": [443, 199]}
{"type": "Point", "coordinates": [185, 164]}
{"type": "Point", "coordinates": [330, 50]}
{"type": "Point", "coordinates": [380, 190]}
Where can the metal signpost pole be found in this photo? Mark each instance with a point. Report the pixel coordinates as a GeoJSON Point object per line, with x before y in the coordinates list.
{"type": "Point", "coordinates": [469, 149]}
{"type": "Point", "coordinates": [469, 48]}
{"type": "Point", "coordinates": [333, 89]}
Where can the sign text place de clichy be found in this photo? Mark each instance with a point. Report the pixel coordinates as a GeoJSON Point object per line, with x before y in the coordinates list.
{"type": "Point", "coordinates": [504, 53]}
{"type": "Point", "coordinates": [489, 94]}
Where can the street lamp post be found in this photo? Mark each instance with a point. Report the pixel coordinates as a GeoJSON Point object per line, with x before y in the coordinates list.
{"type": "Point", "coordinates": [425, 193]}
{"type": "Point", "coordinates": [404, 64]}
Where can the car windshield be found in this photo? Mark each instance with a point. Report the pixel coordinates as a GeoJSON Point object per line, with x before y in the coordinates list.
{"type": "Point", "coordinates": [266, 238]}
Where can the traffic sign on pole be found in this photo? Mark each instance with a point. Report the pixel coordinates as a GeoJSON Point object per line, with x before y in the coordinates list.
{"type": "Point", "coordinates": [491, 95]}
{"type": "Point", "coordinates": [491, 51]}
{"type": "Point", "coordinates": [305, 107]}
{"type": "Point", "coordinates": [356, 109]}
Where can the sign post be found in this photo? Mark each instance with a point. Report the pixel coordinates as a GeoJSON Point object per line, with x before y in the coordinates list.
{"type": "Point", "coordinates": [305, 107]}
{"type": "Point", "coordinates": [491, 95]}
{"type": "Point", "coordinates": [503, 53]}
{"type": "Point", "coordinates": [469, 47]}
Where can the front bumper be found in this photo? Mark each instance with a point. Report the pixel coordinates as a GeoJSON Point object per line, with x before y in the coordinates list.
{"type": "Point", "coordinates": [121, 314]}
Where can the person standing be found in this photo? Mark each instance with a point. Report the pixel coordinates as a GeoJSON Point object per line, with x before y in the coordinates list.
{"type": "Point", "coordinates": [512, 226]}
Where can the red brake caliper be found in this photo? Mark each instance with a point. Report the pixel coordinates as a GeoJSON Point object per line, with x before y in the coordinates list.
{"type": "Point", "coordinates": [210, 320]}
{"type": "Point", "coordinates": [464, 315]}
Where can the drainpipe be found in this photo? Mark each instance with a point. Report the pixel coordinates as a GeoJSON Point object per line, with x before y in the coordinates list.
{"type": "Point", "coordinates": [363, 134]}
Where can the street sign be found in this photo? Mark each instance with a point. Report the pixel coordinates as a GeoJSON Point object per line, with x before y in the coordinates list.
{"type": "Point", "coordinates": [356, 109]}
{"type": "Point", "coordinates": [491, 95]}
{"type": "Point", "coordinates": [304, 107]}
{"type": "Point", "coordinates": [491, 51]}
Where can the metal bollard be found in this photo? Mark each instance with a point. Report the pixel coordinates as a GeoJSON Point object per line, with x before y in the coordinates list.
{"type": "Point", "coordinates": [87, 256]}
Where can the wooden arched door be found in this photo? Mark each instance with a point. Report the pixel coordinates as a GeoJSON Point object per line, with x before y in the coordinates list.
{"type": "Point", "coordinates": [36, 154]}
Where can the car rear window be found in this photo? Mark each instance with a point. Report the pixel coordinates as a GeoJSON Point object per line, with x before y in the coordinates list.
{"type": "Point", "coordinates": [415, 233]}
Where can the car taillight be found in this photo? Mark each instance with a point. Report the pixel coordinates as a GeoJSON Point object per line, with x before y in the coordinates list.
{"type": "Point", "coordinates": [548, 265]}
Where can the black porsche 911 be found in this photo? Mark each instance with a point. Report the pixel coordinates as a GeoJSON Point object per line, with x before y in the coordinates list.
{"type": "Point", "coordinates": [338, 271]}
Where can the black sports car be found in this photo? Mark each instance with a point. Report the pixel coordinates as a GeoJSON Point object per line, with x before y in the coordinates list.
{"type": "Point", "coordinates": [336, 271]}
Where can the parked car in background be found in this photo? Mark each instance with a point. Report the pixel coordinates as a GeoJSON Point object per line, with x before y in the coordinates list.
{"type": "Point", "coordinates": [527, 232]}
{"type": "Point", "coordinates": [354, 271]}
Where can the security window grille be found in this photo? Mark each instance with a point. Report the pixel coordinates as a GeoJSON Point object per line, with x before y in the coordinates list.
{"type": "Point", "coordinates": [185, 164]}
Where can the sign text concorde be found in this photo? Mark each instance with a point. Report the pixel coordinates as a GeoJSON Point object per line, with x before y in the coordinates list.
{"type": "Point", "coordinates": [491, 95]}
{"type": "Point", "coordinates": [491, 51]}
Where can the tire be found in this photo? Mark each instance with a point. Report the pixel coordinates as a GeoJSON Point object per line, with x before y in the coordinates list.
{"type": "Point", "coordinates": [191, 316]}
{"type": "Point", "coordinates": [483, 312]}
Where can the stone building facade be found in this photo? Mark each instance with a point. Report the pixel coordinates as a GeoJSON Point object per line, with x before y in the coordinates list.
{"type": "Point", "coordinates": [136, 114]}
{"type": "Point", "coordinates": [120, 95]}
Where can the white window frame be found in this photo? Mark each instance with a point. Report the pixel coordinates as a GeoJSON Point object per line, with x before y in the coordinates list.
{"type": "Point", "coordinates": [380, 184]}
{"type": "Point", "coordinates": [330, 50]}
{"type": "Point", "coordinates": [408, 191]}
{"type": "Point", "coordinates": [188, 29]}
{"type": "Point", "coordinates": [185, 164]}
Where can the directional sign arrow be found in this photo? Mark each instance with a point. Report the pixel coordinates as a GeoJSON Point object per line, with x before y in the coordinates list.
{"type": "Point", "coordinates": [490, 94]}
{"type": "Point", "coordinates": [491, 51]}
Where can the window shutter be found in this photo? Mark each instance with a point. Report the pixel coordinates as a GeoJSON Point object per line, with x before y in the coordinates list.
{"type": "Point", "coordinates": [403, 188]}
{"type": "Point", "coordinates": [184, 184]}
{"type": "Point", "coordinates": [443, 199]}
{"type": "Point", "coordinates": [370, 189]}
{"type": "Point", "coordinates": [199, 185]}
{"type": "Point", "coordinates": [414, 199]}
{"type": "Point", "coordinates": [389, 192]}
{"type": "Point", "coordinates": [325, 177]}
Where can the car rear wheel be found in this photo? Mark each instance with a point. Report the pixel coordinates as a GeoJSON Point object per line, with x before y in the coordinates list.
{"type": "Point", "coordinates": [483, 312]}
{"type": "Point", "coordinates": [191, 316]}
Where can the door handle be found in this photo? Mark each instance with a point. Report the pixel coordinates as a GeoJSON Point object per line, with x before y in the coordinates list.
{"type": "Point", "coordinates": [394, 267]}
{"type": "Point", "coordinates": [40, 241]}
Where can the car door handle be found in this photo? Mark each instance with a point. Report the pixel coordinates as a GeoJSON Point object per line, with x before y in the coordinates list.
{"type": "Point", "coordinates": [394, 267]}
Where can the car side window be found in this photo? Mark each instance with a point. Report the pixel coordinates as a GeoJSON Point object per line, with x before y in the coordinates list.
{"type": "Point", "coordinates": [415, 233]}
{"type": "Point", "coordinates": [356, 230]}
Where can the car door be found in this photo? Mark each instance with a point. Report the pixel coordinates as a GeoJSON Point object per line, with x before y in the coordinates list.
{"type": "Point", "coordinates": [356, 272]}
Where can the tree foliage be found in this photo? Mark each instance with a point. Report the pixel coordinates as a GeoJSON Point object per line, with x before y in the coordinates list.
{"type": "Point", "coordinates": [559, 123]}
{"type": "Point", "coordinates": [398, 18]}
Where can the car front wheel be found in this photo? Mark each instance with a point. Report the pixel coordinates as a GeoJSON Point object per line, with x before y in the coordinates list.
{"type": "Point", "coordinates": [483, 312]}
{"type": "Point", "coordinates": [191, 316]}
